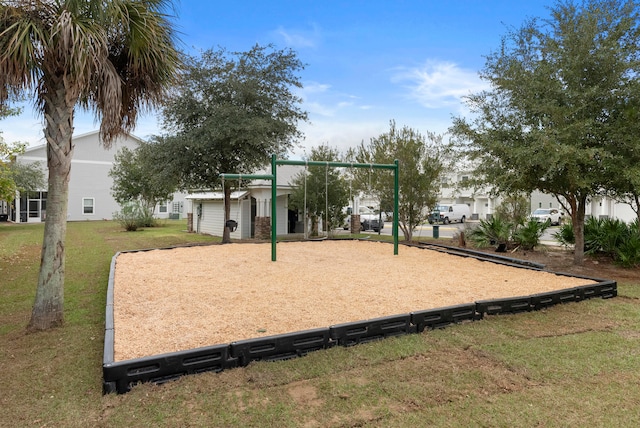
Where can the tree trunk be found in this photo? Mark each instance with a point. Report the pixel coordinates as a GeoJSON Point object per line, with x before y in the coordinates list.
{"type": "Point", "coordinates": [48, 308]}
{"type": "Point", "coordinates": [226, 233]}
{"type": "Point", "coordinates": [314, 226]}
{"type": "Point", "coordinates": [578, 207]}
{"type": "Point", "coordinates": [406, 231]}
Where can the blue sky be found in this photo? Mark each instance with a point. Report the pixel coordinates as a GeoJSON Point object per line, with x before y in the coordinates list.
{"type": "Point", "coordinates": [367, 62]}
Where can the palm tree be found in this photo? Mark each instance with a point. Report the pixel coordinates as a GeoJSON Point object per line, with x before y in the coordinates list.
{"type": "Point", "coordinates": [112, 57]}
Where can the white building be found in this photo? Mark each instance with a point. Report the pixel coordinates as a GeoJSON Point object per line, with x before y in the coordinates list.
{"type": "Point", "coordinates": [483, 204]}
{"type": "Point", "coordinates": [89, 185]}
{"type": "Point", "coordinates": [250, 207]}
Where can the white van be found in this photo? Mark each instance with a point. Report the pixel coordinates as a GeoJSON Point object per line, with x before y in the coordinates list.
{"type": "Point", "coordinates": [449, 213]}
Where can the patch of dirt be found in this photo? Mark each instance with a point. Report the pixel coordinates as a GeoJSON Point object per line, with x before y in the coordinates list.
{"type": "Point", "coordinates": [184, 298]}
{"type": "Point", "coordinates": [304, 394]}
{"type": "Point", "coordinates": [557, 259]}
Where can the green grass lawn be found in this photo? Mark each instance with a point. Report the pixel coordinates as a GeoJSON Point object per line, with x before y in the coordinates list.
{"type": "Point", "coordinates": [572, 365]}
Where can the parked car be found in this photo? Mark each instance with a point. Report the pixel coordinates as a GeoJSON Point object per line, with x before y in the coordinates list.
{"type": "Point", "coordinates": [549, 215]}
{"type": "Point", "coordinates": [369, 220]}
{"type": "Point", "coordinates": [449, 213]}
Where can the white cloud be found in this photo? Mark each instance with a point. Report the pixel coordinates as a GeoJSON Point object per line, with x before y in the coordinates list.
{"type": "Point", "coordinates": [314, 88]}
{"type": "Point", "coordinates": [314, 107]}
{"type": "Point", "coordinates": [299, 38]}
{"type": "Point", "coordinates": [319, 99]}
{"type": "Point", "coordinates": [338, 133]}
{"type": "Point", "coordinates": [439, 83]}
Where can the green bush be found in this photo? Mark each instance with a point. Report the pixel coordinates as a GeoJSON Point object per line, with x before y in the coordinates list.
{"type": "Point", "coordinates": [528, 235]}
{"type": "Point", "coordinates": [628, 253]}
{"type": "Point", "coordinates": [565, 235]}
{"type": "Point", "coordinates": [133, 216]}
{"type": "Point", "coordinates": [146, 218]}
{"type": "Point", "coordinates": [494, 231]}
{"type": "Point", "coordinates": [606, 237]}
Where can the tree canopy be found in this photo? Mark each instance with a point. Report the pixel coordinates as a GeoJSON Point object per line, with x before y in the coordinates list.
{"type": "Point", "coordinates": [322, 191]}
{"type": "Point", "coordinates": [422, 164]}
{"type": "Point", "coordinates": [16, 176]}
{"type": "Point", "coordinates": [556, 115]}
{"type": "Point", "coordinates": [112, 57]}
{"type": "Point", "coordinates": [230, 113]}
{"type": "Point", "coordinates": [138, 175]}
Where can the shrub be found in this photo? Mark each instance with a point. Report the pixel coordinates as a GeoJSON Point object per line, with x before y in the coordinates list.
{"type": "Point", "coordinates": [628, 253]}
{"type": "Point", "coordinates": [514, 209]}
{"type": "Point", "coordinates": [495, 231]}
{"type": "Point", "coordinates": [565, 235]}
{"type": "Point", "coordinates": [528, 235]}
{"type": "Point", "coordinates": [608, 237]}
{"type": "Point", "coordinates": [134, 215]}
{"type": "Point", "coordinates": [146, 218]}
{"type": "Point", "coordinates": [604, 236]}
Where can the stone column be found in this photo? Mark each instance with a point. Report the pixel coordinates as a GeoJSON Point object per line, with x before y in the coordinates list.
{"type": "Point", "coordinates": [355, 223]}
{"type": "Point", "coordinates": [190, 222]}
{"type": "Point", "coordinates": [263, 228]}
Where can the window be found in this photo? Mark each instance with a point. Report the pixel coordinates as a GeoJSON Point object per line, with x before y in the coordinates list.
{"type": "Point", "coordinates": [88, 205]}
{"type": "Point", "coordinates": [177, 207]}
{"type": "Point", "coordinates": [163, 207]}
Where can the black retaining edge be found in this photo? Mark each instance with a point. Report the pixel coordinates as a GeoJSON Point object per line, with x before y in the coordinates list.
{"type": "Point", "coordinates": [466, 252]}
{"type": "Point", "coordinates": [279, 347]}
{"type": "Point", "coordinates": [353, 333]}
{"type": "Point", "coordinates": [443, 317]}
{"type": "Point", "coordinates": [120, 376]}
{"type": "Point", "coordinates": [605, 289]}
{"type": "Point", "coordinates": [510, 305]}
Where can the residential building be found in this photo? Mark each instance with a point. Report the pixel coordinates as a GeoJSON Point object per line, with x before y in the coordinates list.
{"type": "Point", "coordinates": [482, 203]}
{"type": "Point", "coordinates": [89, 184]}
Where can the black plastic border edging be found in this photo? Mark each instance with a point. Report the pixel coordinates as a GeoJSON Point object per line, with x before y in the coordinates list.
{"type": "Point", "coordinates": [357, 332]}
{"type": "Point", "coordinates": [458, 251]}
{"type": "Point", "coordinates": [443, 317]}
{"type": "Point", "coordinates": [279, 347]}
{"type": "Point", "coordinates": [120, 376]}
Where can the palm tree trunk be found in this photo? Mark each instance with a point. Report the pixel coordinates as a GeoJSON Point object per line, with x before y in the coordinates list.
{"type": "Point", "coordinates": [48, 308]}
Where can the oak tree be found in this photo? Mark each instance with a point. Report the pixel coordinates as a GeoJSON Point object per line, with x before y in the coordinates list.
{"type": "Point", "coordinates": [553, 115]}
{"type": "Point", "coordinates": [229, 114]}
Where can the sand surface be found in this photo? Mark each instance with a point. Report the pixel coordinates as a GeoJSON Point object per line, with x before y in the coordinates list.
{"type": "Point", "coordinates": [184, 298]}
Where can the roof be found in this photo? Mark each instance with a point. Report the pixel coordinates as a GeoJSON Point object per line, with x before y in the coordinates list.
{"type": "Point", "coordinates": [285, 175]}
{"type": "Point", "coordinates": [215, 196]}
{"type": "Point", "coordinates": [76, 137]}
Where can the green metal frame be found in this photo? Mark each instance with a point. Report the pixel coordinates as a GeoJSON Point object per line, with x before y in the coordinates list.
{"type": "Point", "coordinates": [274, 194]}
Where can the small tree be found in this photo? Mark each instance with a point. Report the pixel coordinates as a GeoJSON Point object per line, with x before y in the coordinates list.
{"type": "Point", "coordinates": [8, 186]}
{"type": "Point", "coordinates": [322, 190]}
{"type": "Point", "coordinates": [423, 161]}
{"type": "Point", "coordinates": [514, 209]}
{"type": "Point", "coordinates": [13, 175]}
{"type": "Point", "coordinates": [138, 175]}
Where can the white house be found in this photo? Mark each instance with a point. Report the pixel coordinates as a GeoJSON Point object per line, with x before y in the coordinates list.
{"type": "Point", "coordinates": [89, 184]}
{"type": "Point", "coordinates": [250, 207]}
{"type": "Point", "coordinates": [483, 204]}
